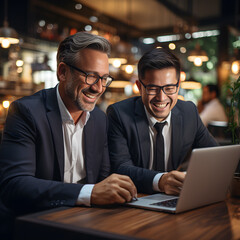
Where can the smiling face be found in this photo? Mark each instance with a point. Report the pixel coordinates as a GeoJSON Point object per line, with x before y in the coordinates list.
{"type": "Point", "coordinates": [75, 93]}
{"type": "Point", "coordinates": [159, 105]}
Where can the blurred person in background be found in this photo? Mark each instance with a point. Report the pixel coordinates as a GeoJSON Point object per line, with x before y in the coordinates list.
{"type": "Point", "coordinates": [210, 107]}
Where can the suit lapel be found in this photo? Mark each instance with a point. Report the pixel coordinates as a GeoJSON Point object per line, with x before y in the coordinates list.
{"type": "Point", "coordinates": [177, 129]}
{"type": "Point", "coordinates": [89, 153]}
{"type": "Point", "coordinates": [143, 132]}
{"type": "Point", "coordinates": [54, 118]}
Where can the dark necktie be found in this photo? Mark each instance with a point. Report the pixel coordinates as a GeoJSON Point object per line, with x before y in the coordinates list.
{"type": "Point", "coordinates": [158, 163]}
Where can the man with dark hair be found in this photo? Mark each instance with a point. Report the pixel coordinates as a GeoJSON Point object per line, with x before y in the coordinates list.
{"type": "Point", "coordinates": [54, 149]}
{"type": "Point", "coordinates": [210, 108]}
{"type": "Point", "coordinates": [151, 135]}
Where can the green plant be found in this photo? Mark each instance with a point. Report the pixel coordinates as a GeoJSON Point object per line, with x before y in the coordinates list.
{"type": "Point", "coordinates": [234, 127]}
{"type": "Point", "coordinates": [234, 111]}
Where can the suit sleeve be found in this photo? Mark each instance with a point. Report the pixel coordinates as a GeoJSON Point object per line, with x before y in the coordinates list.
{"type": "Point", "coordinates": [122, 158]}
{"type": "Point", "coordinates": [188, 132]}
{"type": "Point", "coordinates": [20, 188]}
{"type": "Point", "coordinates": [105, 163]}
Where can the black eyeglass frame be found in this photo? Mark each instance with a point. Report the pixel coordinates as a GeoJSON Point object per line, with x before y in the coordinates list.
{"type": "Point", "coordinates": [160, 87]}
{"type": "Point", "coordinates": [88, 73]}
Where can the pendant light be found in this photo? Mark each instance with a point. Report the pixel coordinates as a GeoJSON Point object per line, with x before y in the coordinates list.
{"type": "Point", "coordinates": [235, 61]}
{"type": "Point", "coordinates": [191, 84]}
{"type": "Point", "coordinates": [8, 35]}
{"type": "Point", "coordinates": [198, 56]}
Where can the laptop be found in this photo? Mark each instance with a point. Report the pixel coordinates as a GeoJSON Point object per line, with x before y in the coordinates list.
{"type": "Point", "coordinates": [209, 174]}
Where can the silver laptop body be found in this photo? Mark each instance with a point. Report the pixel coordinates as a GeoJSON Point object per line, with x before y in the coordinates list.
{"type": "Point", "coordinates": [208, 177]}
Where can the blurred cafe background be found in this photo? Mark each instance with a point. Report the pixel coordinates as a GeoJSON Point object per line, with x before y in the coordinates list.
{"type": "Point", "coordinates": [204, 34]}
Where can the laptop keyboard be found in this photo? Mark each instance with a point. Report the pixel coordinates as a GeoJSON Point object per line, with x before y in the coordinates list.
{"type": "Point", "coordinates": [168, 203]}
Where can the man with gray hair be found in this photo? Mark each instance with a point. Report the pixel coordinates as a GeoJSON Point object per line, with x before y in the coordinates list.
{"type": "Point", "coordinates": [54, 149]}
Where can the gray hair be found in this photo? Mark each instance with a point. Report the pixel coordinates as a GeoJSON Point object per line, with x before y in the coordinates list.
{"type": "Point", "coordinates": [70, 46]}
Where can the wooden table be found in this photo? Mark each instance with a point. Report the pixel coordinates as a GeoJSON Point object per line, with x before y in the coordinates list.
{"type": "Point", "coordinates": [216, 221]}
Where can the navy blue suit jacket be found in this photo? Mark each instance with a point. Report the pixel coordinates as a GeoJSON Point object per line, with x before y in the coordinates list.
{"type": "Point", "coordinates": [129, 140]}
{"type": "Point", "coordinates": [32, 154]}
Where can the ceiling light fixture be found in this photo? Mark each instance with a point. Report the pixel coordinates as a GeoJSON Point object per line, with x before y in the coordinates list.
{"type": "Point", "coordinates": [191, 84]}
{"type": "Point", "coordinates": [129, 68]}
{"type": "Point", "coordinates": [148, 40]}
{"type": "Point", "coordinates": [235, 61]}
{"type": "Point", "coordinates": [119, 84]}
{"type": "Point", "coordinates": [198, 56]}
{"type": "Point", "coordinates": [182, 76]}
{"type": "Point", "coordinates": [8, 35]}
{"type": "Point", "coordinates": [117, 62]}
{"type": "Point", "coordinates": [235, 67]}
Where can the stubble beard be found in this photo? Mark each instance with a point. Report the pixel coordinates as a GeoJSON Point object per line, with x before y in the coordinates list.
{"type": "Point", "coordinates": [70, 92]}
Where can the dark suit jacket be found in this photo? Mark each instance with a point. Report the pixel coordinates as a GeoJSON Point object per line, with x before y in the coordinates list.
{"type": "Point", "coordinates": [32, 154]}
{"type": "Point", "coordinates": [129, 140]}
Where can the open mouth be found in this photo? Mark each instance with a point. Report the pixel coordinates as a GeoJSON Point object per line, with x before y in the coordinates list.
{"type": "Point", "coordinates": [90, 98]}
{"type": "Point", "coordinates": [160, 105]}
{"type": "Point", "coordinates": [88, 95]}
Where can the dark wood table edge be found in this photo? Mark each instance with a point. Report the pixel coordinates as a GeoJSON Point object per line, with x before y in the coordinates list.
{"type": "Point", "coordinates": [47, 229]}
{"type": "Point", "coordinates": [44, 230]}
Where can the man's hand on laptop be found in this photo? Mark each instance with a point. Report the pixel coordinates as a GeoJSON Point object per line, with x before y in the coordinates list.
{"type": "Point", "coordinates": [172, 182]}
{"type": "Point", "coordinates": [114, 189]}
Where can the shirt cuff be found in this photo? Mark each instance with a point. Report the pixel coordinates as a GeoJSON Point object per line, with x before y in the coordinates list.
{"type": "Point", "coordinates": [84, 197]}
{"type": "Point", "coordinates": [156, 181]}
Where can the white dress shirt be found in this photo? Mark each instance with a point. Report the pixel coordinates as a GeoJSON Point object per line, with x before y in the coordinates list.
{"type": "Point", "coordinates": [74, 168]}
{"type": "Point", "coordinates": [166, 132]}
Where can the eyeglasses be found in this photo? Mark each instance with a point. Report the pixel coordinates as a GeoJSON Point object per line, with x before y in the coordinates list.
{"type": "Point", "coordinates": [154, 89]}
{"type": "Point", "coordinates": [91, 78]}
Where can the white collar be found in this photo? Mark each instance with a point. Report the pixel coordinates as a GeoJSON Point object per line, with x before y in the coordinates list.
{"type": "Point", "coordinates": [66, 116]}
{"type": "Point", "coordinates": [153, 120]}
